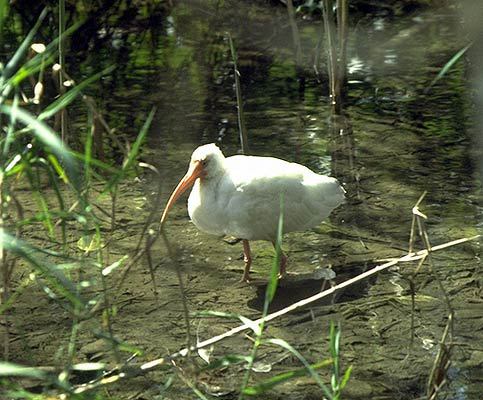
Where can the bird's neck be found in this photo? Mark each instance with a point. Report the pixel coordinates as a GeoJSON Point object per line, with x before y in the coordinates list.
{"type": "Point", "coordinates": [208, 184]}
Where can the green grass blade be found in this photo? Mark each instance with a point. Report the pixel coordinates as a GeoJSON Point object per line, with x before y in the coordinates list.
{"type": "Point", "coordinates": [110, 170]}
{"type": "Point", "coordinates": [139, 140]}
{"type": "Point", "coordinates": [219, 314]}
{"type": "Point", "coordinates": [51, 48]}
{"type": "Point", "coordinates": [239, 99]}
{"type": "Point", "coordinates": [282, 343]}
{"type": "Point", "coordinates": [41, 130]}
{"type": "Point", "coordinates": [274, 272]}
{"type": "Point", "coordinates": [58, 168]}
{"type": "Point", "coordinates": [10, 130]}
{"type": "Point", "coordinates": [9, 369]}
{"type": "Point", "coordinates": [346, 377]}
{"type": "Point", "coordinates": [68, 97]}
{"type": "Point", "coordinates": [36, 63]}
{"type": "Point", "coordinates": [40, 217]}
{"type": "Point", "coordinates": [39, 198]}
{"type": "Point", "coordinates": [19, 289]}
{"type": "Point", "coordinates": [449, 64]}
{"type": "Point", "coordinates": [258, 328]}
{"type": "Point", "coordinates": [55, 185]}
{"type": "Point", "coordinates": [268, 384]}
{"type": "Point", "coordinates": [40, 250]}
{"type": "Point", "coordinates": [88, 154]}
{"type": "Point", "coordinates": [226, 361]}
{"type": "Point", "coordinates": [334, 352]}
{"type": "Point", "coordinates": [133, 154]}
{"type": "Point", "coordinates": [107, 270]}
{"type": "Point", "coordinates": [53, 275]}
{"type": "Point", "coordinates": [48, 137]}
{"type": "Point", "coordinates": [48, 223]}
{"type": "Point", "coordinates": [4, 9]}
{"type": "Point", "coordinates": [17, 58]}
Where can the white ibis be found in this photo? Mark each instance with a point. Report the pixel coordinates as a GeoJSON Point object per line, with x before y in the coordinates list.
{"type": "Point", "coordinates": [240, 196]}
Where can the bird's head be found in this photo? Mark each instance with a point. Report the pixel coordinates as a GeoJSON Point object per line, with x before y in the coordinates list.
{"type": "Point", "coordinates": [209, 159]}
{"type": "Point", "coordinates": [207, 162]}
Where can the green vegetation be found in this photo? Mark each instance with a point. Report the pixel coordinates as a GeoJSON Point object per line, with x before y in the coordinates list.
{"type": "Point", "coordinates": [35, 159]}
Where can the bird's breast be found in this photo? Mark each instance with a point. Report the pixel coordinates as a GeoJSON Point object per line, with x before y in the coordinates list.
{"type": "Point", "coordinates": [206, 207]}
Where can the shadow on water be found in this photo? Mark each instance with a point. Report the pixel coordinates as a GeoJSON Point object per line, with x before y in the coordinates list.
{"type": "Point", "coordinates": [297, 287]}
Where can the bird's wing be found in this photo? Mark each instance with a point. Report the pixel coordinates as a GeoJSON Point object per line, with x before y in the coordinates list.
{"type": "Point", "coordinates": [260, 182]}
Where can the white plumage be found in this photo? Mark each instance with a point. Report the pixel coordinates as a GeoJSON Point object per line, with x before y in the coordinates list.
{"type": "Point", "coordinates": [240, 196]}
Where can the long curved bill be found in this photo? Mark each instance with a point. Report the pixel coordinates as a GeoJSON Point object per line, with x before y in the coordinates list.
{"type": "Point", "coordinates": [194, 172]}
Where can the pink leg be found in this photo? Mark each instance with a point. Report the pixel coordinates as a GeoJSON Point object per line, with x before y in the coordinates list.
{"type": "Point", "coordinates": [283, 263]}
{"type": "Point", "coordinates": [247, 257]}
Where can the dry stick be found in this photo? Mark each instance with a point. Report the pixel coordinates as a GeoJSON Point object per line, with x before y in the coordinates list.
{"type": "Point", "coordinates": [135, 259]}
{"type": "Point", "coordinates": [426, 242]}
{"type": "Point", "coordinates": [318, 50]}
{"type": "Point", "coordinates": [188, 382]}
{"type": "Point", "coordinates": [155, 203]}
{"type": "Point", "coordinates": [329, 26]}
{"type": "Point", "coordinates": [425, 237]}
{"type": "Point", "coordinates": [437, 378]}
{"type": "Point", "coordinates": [149, 241]}
{"type": "Point", "coordinates": [442, 362]}
{"type": "Point", "coordinates": [239, 100]}
{"type": "Point", "coordinates": [149, 260]}
{"type": "Point", "coordinates": [108, 314]}
{"type": "Point", "coordinates": [89, 101]}
{"type": "Point", "coordinates": [137, 256]}
{"type": "Point", "coordinates": [295, 34]}
{"type": "Point", "coordinates": [412, 239]}
{"type": "Point", "coordinates": [4, 271]}
{"type": "Point", "coordinates": [94, 108]}
{"type": "Point", "coordinates": [174, 258]}
{"type": "Point", "coordinates": [343, 31]}
{"type": "Point", "coordinates": [8, 265]}
{"type": "Point", "coordinates": [413, 301]}
{"type": "Point", "coordinates": [149, 221]}
{"type": "Point", "coordinates": [62, 88]}
{"type": "Point", "coordinates": [415, 211]}
{"type": "Point", "coordinates": [129, 372]}
{"type": "Point", "coordinates": [18, 229]}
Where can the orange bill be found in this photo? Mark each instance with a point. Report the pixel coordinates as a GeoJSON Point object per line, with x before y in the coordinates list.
{"type": "Point", "coordinates": [194, 172]}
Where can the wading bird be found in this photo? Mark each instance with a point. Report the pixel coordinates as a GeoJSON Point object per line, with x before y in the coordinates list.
{"type": "Point", "coordinates": [240, 196]}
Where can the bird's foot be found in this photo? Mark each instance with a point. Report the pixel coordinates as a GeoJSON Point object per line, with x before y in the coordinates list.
{"type": "Point", "coordinates": [245, 278]}
{"type": "Point", "coordinates": [231, 240]}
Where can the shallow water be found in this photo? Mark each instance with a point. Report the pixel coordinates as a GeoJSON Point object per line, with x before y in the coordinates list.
{"type": "Point", "coordinates": [397, 139]}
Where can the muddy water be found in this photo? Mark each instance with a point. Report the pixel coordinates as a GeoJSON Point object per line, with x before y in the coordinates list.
{"type": "Point", "coordinates": [395, 141]}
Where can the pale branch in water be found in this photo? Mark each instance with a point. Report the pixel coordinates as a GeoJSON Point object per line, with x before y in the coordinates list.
{"type": "Point", "coordinates": [133, 370]}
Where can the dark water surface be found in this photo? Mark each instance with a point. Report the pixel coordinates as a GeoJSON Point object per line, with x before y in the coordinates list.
{"type": "Point", "coordinates": [397, 139]}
